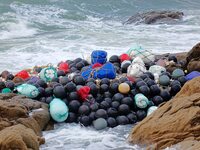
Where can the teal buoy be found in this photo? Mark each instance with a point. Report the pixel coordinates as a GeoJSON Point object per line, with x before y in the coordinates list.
{"type": "Point", "coordinates": [58, 110]}
{"type": "Point", "coordinates": [6, 90]}
{"type": "Point", "coordinates": [164, 80]}
{"type": "Point", "coordinates": [151, 110]}
{"type": "Point", "coordinates": [47, 74]}
{"type": "Point", "coordinates": [100, 124]}
{"type": "Point", "coordinates": [141, 101]}
{"type": "Point", "coordinates": [177, 73]}
{"type": "Point", "coordinates": [28, 90]}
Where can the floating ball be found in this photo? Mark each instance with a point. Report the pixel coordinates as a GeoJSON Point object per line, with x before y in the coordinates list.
{"type": "Point", "coordinates": [155, 90]}
{"type": "Point", "coordinates": [124, 109]}
{"type": "Point", "coordinates": [105, 81]}
{"type": "Point", "coordinates": [104, 88]}
{"type": "Point", "coordinates": [92, 116]}
{"type": "Point", "coordinates": [111, 122]}
{"type": "Point", "coordinates": [79, 80]}
{"type": "Point", "coordinates": [132, 118]}
{"type": "Point", "coordinates": [141, 114]}
{"type": "Point", "coordinates": [115, 104]}
{"type": "Point", "coordinates": [166, 73]}
{"type": "Point", "coordinates": [122, 120]}
{"type": "Point", "coordinates": [58, 110]}
{"type": "Point", "coordinates": [118, 97]}
{"type": "Point", "coordinates": [2, 85]}
{"type": "Point", "coordinates": [144, 90]}
{"type": "Point", "coordinates": [10, 85]}
{"type": "Point", "coordinates": [175, 82]}
{"type": "Point", "coordinates": [127, 100]}
{"type": "Point", "coordinates": [124, 88]}
{"type": "Point", "coordinates": [72, 117]}
{"type": "Point", "coordinates": [93, 89]}
{"type": "Point", "coordinates": [172, 58]}
{"type": "Point", "coordinates": [151, 110]}
{"type": "Point", "coordinates": [140, 83]}
{"type": "Point", "coordinates": [94, 107]}
{"type": "Point", "coordinates": [10, 77]}
{"type": "Point", "coordinates": [133, 92]}
{"type": "Point", "coordinates": [182, 80]}
{"type": "Point", "coordinates": [112, 112]}
{"type": "Point", "coordinates": [141, 101]}
{"type": "Point", "coordinates": [48, 100]}
{"type": "Point", "coordinates": [48, 91]}
{"type": "Point", "coordinates": [107, 95]}
{"type": "Point", "coordinates": [175, 89]}
{"type": "Point", "coordinates": [101, 113]}
{"type": "Point", "coordinates": [104, 105]}
{"type": "Point", "coordinates": [108, 100]}
{"type": "Point", "coordinates": [59, 92]}
{"type": "Point", "coordinates": [157, 100]}
{"type": "Point", "coordinates": [150, 75]}
{"type": "Point", "coordinates": [55, 79]}
{"type": "Point", "coordinates": [69, 87]}
{"type": "Point", "coordinates": [144, 76]}
{"type": "Point", "coordinates": [164, 80]}
{"type": "Point", "coordinates": [177, 73]}
{"type": "Point", "coordinates": [80, 65]}
{"type": "Point", "coordinates": [114, 87]}
{"type": "Point", "coordinates": [123, 79]}
{"type": "Point", "coordinates": [100, 124]}
{"type": "Point", "coordinates": [73, 96]}
{"type": "Point", "coordinates": [114, 58]}
{"type": "Point", "coordinates": [124, 66]}
{"type": "Point", "coordinates": [84, 110]}
{"type": "Point", "coordinates": [60, 73]}
{"type": "Point", "coordinates": [6, 90]}
{"type": "Point", "coordinates": [41, 92]}
{"type": "Point", "coordinates": [64, 80]}
{"type": "Point", "coordinates": [74, 106]}
{"type": "Point", "coordinates": [85, 121]}
{"type": "Point", "coordinates": [165, 95]}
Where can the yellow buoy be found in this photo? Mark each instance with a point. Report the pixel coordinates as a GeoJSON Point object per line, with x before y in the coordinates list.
{"type": "Point", "coordinates": [124, 88]}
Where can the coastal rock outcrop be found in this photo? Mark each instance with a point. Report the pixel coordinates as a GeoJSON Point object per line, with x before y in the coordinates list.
{"type": "Point", "coordinates": [175, 122]}
{"type": "Point", "coordinates": [155, 16]}
{"type": "Point", "coordinates": [193, 58]}
{"type": "Point", "coordinates": [21, 122]}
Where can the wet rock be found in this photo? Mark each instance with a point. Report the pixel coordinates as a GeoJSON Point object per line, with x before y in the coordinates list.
{"type": "Point", "coordinates": [176, 121]}
{"type": "Point", "coordinates": [154, 17]}
{"type": "Point", "coordinates": [21, 122]}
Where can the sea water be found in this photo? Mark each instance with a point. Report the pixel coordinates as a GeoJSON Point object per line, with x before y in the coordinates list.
{"type": "Point", "coordinates": [39, 32]}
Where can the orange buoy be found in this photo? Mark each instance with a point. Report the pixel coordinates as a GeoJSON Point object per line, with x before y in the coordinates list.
{"type": "Point", "coordinates": [124, 88]}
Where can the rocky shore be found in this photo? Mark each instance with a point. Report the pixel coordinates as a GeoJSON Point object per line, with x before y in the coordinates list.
{"type": "Point", "coordinates": [22, 121]}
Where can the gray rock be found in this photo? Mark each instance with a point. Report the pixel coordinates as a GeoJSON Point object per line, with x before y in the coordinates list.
{"type": "Point", "coordinates": [155, 17]}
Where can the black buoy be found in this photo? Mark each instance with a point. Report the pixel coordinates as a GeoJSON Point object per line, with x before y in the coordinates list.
{"type": "Point", "coordinates": [84, 110]}
{"type": "Point", "coordinates": [140, 83]}
{"type": "Point", "coordinates": [175, 82]}
{"type": "Point", "coordinates": [101, 113]}
{"type": "Point", "coordinates": [133, 92]}
{"type": "Point", "coordinates": [114, 87]}
{"type": "Point", "coordinates": [141, 114]}
{"type": "Point", "coordinates": [49, 91]}
{"type": "Point", "coordinates": [85, 121]}
{"type": "Point", "coordinates": [77, 60]}
{"type": "Point", "coordinates": [165, 95]}
{"type": "Point", "coordinates": [108, 100]}
{"type": "Point", "coordinates": [93, 89]}
{"type": "Point", "coordinates": [118, 97]}
{"type": "Point", "coordinates": [112, 112]}
{"type": "Point", "coordinates": [182, 80]}
{"type": "Point", "coordinates": [128, 101]}
{"type": "Point", "coordinates": [132, 118]}
{"type": "Point", "coordinates": [104, 88]}
{"type": "Point", "coordinates": [157, 100]}
{"type": "Point", "coordinates": [91, 80]}
{"type": "Point", "coordinates": [150, 82]}
{"type": "Point", "coordinates": [64, 80]}
{"type": "Point", "coordinates": [123, 79]}
{"type": "Point", "coordinates": [65, 101]}
{"type": "Point", "coordinates": [144, 90]}
{"type": "Point", "coordinates": [79, 80]}
{"type": "Point", "coordinates": [10, 84]}
{"type": "Point", "coordinates": [55, 79]}
{"type": "Point", "coordinates": [94, 107]}
{"type": "Point", "coordinates": [114, 58]}
{"type": "Point", "coordinates": [49, 99]}
{"type": "Point", "coordinates": [144, 76]}
{"type": "Point", "coordinates": [122, 120]}
{"type": "Point", "coordinates": [105, 81]}
{"type": "Point", "coordinates": [59, 92]}
{"type": "Point", "coordinates": [124, 109]}
{"type": "Point", "coordinates": [111, 122]}
{"type": "Point", "coordinates": [172, 58]}
{"type": "Point", "coordinates": [10, 77]}
{"type": "Point", "coordinates": [73, 96]}
{"type": "Point", "coordinates": [151, 76]}
{"type": "Point", "coordinates": [107, 95]}
{"type": "Point", "coordinates": [99, 98]}
{"type": "Point", "coordinates": [80, 65]}
{"type": "Point", "coordinates": [70, 87]}
{"type": "Point", "coordinates": [115, 104]}
{"type": "Point", "coordinates": [104, 105]}
{"type": "Point", "coordinates": [74, 106]}
{"type": "Point", "coordinates": [60, 73]}
{"type": "Point", "coordinates": [41, 92]}
{"type": "Point", "coordinates": [154, 90]}
{"type": "Point", "coordinates": [175, 89]}
{"type": "Point", "coordinates": [42, 83]}
{"type": "Point", "coordinates": [72, 117]}
{"type": "Point", "coordinates": [92, 116]}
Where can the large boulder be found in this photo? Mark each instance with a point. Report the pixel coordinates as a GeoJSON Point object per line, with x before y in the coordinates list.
{"type": "Point", "coordinates": [155, 16]}
{"type": "Point", "coordinates": [193, 59]}
{"type": "Point", "coordinates": [21, 122]}
{"type": "Point", "coordinates": [176, 121]}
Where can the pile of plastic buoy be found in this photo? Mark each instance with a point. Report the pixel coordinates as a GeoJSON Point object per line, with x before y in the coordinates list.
{"type": "Point", "coordinates": [100, 91]}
